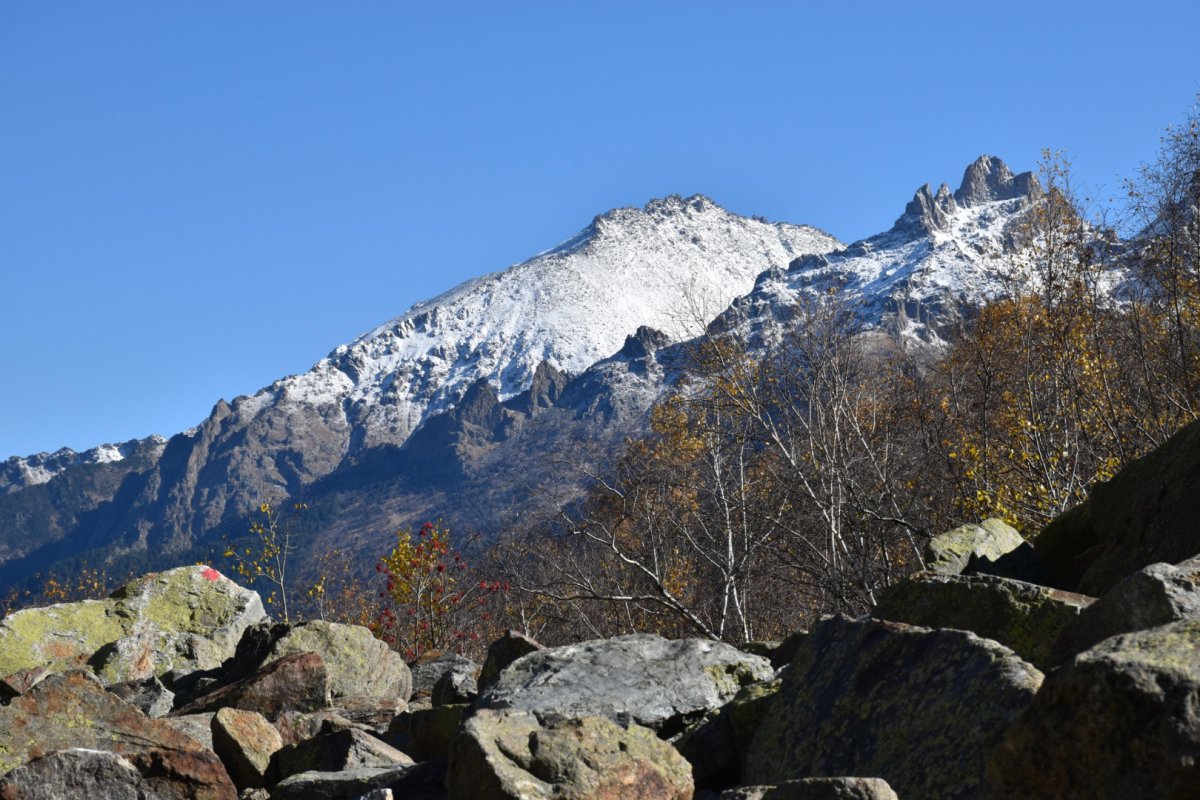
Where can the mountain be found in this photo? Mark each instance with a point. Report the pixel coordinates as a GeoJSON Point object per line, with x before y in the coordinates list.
{"type": "Point", "coordinates": [18, 473]}
{"type": "Point", "coordinates": [477, 405]}
{"type": "Point", "coordinates": [940, 259]}
{"type": "Point", "coordinates": [671, 265]}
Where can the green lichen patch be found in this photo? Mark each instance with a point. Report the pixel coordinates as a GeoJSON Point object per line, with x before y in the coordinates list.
{"type": "Point", "coordinates": [57, 636]}
{"type": "Point", "coordinates": [949, 552]}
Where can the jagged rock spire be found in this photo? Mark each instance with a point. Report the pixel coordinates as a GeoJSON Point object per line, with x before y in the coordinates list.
{"type": "Point", "coordinates": [988, 179]}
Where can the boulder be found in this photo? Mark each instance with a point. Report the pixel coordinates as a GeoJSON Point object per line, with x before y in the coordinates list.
{"type": "Point", "coordinates": [707, 744]}
{"type": "Point", "coordinates": [182, 775]}
{"type": "Point", "coordinates": [716, 745]}
{"type": "Point", "coordinates": [71, 710]}
{"type": "Point", "coordinates": [454, 687]}
{"type": "Point", "coordinates": [185, 619]}
{"type": "Point", "coordinates": [181, 620]}
{"type": "Point", "coordinates": [345, 785]}
{"type": "Point", "coordinates": [1021, 564]}
{"type": "Point", "coordinates": [746, 712]}
{"type": "Point", "coordinates": [1145, 515]}
{"type": "Point", "coordinates": [1156, 595]}
{"type": "Point", "coordinates": [816, 789]}
{"type": "Point", "coordinates": [919, 708]}
{"type": "Point", "coordinates": [1119, 720]}
{"type": "Point", "coordinates": [639, 678]}
{"type": "Point", "coordinates": [358, 664]}
{"type": "Point", "coordinates": [783, 654]}
{"type": "Point", "coordinates": [149, 695]}
{"type": "Point", "coordinates": [293, 683]}
{"type": "Point", "coordinates": [297, 726]}
{"type": "Point", "coordinates": [502, 652]}
{"type": "Point", "coordinates": [98, 774]}
{"type": "Point", "coordinates": [375, 713]}
{"type": "Point", "coordinates": [58, 637]}
{"type": "Point", "coordinates": [337, 750]}
{"type": "Point", "coordinates": [429, 670]}
{"type": "Point", "coordinates": [73, 773]}
{"type": "Point", "coordinates": [245, 742]}
{"type": "Point", "coordinates": [511, 755]}
{"type": "Point", "coordinates": [949, 553]}
{"type": "Point", "coordinates": [1027, 619]}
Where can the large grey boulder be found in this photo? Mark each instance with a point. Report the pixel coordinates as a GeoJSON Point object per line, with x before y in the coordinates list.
{"type": "Point", "coordinates": [358, 664]}
{"type": "Point", "coordinates": [1145, 515]}
{"type": "Point", "coordinates": [515, 755]}
{"type": "Point", "coordinates": [919, 708]}
{"type": "Point", "coordinates": [1121, 720]}
{"type": "Point", "coordinates": [1156, 595]}
{"type": "Point", "coordinates": [1024, 617]}
{"type": "Point", "coordinates": [949, 552]}
{"type": "Point", "coordinates": [639, 678]}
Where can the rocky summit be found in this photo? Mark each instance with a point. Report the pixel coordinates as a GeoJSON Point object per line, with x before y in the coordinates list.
{"type": "Point", "coordinates": [958, 685]}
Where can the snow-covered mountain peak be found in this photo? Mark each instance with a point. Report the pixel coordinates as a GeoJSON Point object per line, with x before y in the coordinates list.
{"type": "Point", "coordinates": [942, 254]}
{"type": "Point", "coordinates": [671, 265]}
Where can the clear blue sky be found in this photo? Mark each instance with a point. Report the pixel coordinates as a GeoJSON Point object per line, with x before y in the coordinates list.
{"type": "Point", "coordinates": [198, 198]}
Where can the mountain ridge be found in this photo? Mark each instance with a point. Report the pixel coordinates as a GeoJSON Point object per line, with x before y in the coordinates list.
{"type": "Point", "coordinates": [384, 409]}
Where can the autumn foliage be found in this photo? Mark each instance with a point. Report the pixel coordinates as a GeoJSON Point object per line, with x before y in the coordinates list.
{"type": "Point", "coordinates": [432, 600]}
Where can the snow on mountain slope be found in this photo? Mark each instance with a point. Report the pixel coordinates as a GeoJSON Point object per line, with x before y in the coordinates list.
{"type": "Point", "coordinates": [18, 472]}
{"type": "Point", "coordinates": [672, 265]}
{"type": "Point", "coordinates": [944, 254]}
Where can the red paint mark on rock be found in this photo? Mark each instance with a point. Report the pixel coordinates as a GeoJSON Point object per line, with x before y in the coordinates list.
{"type": "Point", "coordinates": [210, 574]}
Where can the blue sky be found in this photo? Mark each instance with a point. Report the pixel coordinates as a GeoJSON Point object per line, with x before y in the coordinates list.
{"type": "Point", "coordinates": [196, 199]}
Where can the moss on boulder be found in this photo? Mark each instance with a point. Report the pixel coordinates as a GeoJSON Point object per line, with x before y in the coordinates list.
{"type": "Point", "coordinates": [1120, 720]}
{"type": "Point", "coordinates": [1021, 616]}
{"type": "Point", "coordinates": [59, 636]}
{"type": "Point", "coordinates": [358, 664]}
{"type": "Point", "coordinates": [920, 708]}
{"type": "Point", "coordinates": [183, 619]}
{"type": "Point", "coordinates": [949, 553]}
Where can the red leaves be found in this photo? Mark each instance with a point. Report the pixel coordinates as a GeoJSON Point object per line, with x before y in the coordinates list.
{"type": "Point", "coordinates": [431, 601]}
